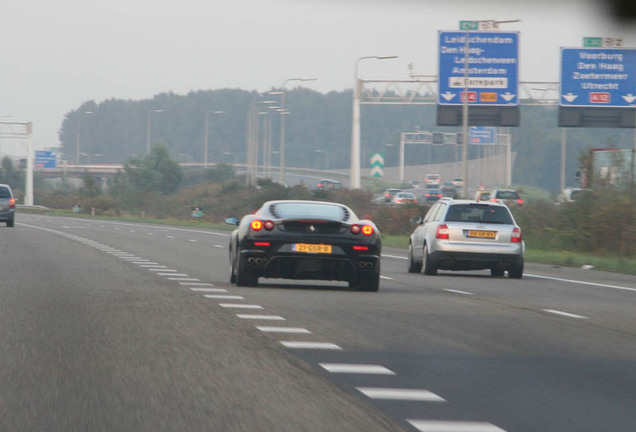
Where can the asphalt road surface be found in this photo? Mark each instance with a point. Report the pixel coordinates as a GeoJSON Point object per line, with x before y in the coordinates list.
{"type": "Point", "coordinates": [121, 326]}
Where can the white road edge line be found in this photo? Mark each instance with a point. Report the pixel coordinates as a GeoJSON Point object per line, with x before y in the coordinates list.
{"type": "Point", "coordinates": [566, 314]}
{"type": "Point", "coordinates": [219, 290]}
{"type": "Point", "coordinates": [224, 297]}
{"type": "Point", "coordinates": [582, 282]}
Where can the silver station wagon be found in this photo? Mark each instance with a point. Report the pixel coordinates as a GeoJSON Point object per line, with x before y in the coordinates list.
{"type": "Point", "coordinates": [467, 235]}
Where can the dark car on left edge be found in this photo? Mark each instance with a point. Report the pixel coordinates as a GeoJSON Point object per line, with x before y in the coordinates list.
{"type": "Point", "coordinates": [7, 205]}
{"type": "Point", "coordinates": [294, 239]}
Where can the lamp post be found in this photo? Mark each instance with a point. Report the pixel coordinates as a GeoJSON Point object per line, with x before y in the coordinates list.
{"type": "Point", "coordinates": [205, 148]}
{"type": "Point", "coordinates": [495, 23]}
{"type": "Point", "coordinates": [149, 127]}
{"type": "Point", "coordinates": [77, 135]}
{"type": "Point", "coordinates": [282, 124]}
{"type": "Point", "coordinates": [252, 140]}
{"type": "Point", "coordinates": [354, 182]}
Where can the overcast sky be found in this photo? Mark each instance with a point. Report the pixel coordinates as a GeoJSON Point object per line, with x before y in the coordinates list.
{"type": "Point", "coordinates": [55, 55]}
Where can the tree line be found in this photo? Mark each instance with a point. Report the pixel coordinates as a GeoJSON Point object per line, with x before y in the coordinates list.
{"type": "Point", "coordinates": [317, 132]}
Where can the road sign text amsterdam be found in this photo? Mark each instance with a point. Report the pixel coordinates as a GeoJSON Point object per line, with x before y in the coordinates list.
{"type": "Point", "coordinates": [493, 68]}
{"type": "Point", "coordinates": [598, 77]}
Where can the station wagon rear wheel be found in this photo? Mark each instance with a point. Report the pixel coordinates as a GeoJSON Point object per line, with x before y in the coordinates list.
{"type": "Point", "coordinates": [429, 268]}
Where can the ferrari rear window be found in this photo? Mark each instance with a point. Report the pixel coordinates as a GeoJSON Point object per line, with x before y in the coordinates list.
{"type": "Point", "coordinates": [310, 211]}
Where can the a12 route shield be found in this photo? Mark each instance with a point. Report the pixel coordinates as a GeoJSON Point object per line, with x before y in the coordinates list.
{"type": "Point", "coordinates": [598, 77]}
{"type": "Point", "coordinates": [493, 68]}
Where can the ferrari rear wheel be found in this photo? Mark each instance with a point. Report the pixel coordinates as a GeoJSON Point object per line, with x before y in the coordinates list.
{"type": "Point", "coordinates": [243, 278]}
{"type": "Point", "coordinates": [369, 283]}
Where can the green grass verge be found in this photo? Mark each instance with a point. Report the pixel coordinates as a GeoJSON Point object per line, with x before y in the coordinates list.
{"type": "Point", "coordinates": [560, 258]}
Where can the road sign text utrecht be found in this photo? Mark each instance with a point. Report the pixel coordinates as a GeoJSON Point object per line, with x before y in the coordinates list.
{"type": "Point", "coordinates": [493, 65]}
{"type": "Point", "coordinates": [598, 77]}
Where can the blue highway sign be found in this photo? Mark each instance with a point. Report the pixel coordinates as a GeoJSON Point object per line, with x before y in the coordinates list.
{"type": "Point", "coordinates": [493, 68]}
{"type": "Point", "coordinates": [598, 77]}
{"type": "Point", "coordinates": [483, 135]}
{"type": "Point", "coordinates": [45, 159]}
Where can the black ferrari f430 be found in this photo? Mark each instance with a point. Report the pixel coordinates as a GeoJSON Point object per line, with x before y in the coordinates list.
{"type": "Point", "coordinates": [305, 240]}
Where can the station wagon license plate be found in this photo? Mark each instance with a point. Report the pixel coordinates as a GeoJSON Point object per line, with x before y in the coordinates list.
{"type": "Point", "coordinates": [311, 248]}
{"type": "Point", "coordinates": [482, 234]}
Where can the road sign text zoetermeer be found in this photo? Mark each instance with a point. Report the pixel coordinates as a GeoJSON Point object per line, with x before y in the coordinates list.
{"type": "Point", "coordinates": [598, 77]}
{"type": "Point", "coordinates": [493, 68]}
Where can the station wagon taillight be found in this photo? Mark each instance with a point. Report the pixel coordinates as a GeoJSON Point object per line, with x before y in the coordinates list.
{"type": "Point", "coordinates": [442, 232]}
{"type": "Point", "coordinates": [12, 203]}
{"type": "Point", "coordinates": [516, 235]}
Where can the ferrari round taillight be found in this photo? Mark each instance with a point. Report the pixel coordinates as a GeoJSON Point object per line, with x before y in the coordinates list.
{"type": "Point", "coordinates": [355, 229]}
{"type": "Point", "coordinates": [442, 232]}
{"type": "Point", "coordinates": [516, 236]}
{"type": "Point", "coordinates": [256, 225]}
{"type": "Point", "coordinates": [268, 225]}
{"type": "Point", "coordinates": [367, 230]}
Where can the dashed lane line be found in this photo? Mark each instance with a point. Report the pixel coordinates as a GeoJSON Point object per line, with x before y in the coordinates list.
{"type": "Point", "coordinates": [351, 368]}
{"type": "Point", "coordinates": [458, 291]}
{"type": "Point", "coordinates": [224, 297]}
{"type": "Point", "coordinates": [294, 330]}
{"type": "Point", "coordinates": [400, 394]}
{"type": "Point", "coordinates": [261, 317]}
{"type": "Point", "coordinates": [240, 306]}
{"type": "Point", "coordinates": [453, 426]}
{"type": "Point", "coordinates": [565, 314]}
{"type": "Point", "coordinates": [310, 345]}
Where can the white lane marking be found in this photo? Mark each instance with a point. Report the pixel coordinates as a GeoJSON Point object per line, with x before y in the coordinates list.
{"type": "Point", "coordinates": [173, 274]}
{"type": "Point", "coordinates": [224, 297]}
{"type": "Point", "coordinates": [458, 292]}
{"type": "Point", "coordinates": [151, 264]}
{"type": "Point", "coordinates": [387, 278]}
{"type": "Point", "coordinates": [135, 258]}
{"type": "Point", "coordinates": [182, 279]}
{"type": "Point", "coordinates": [169, 236]}
{"type": "Point", "coordinates": [142, 262]}
{"type": "Point", "coordinates": [400, 394]}
{"type": "Point", "coordinates": [151, 233]}
{"type": "Point", "coordinates": [193, 241]}
{"type": "Point", "coordinates": [582, 282]}
{"type": "Point", "coordinates": [218, 246]}
{"type": "Point", "coordinates": [203, 284]}
{"type": "Point", "coordinates": [261, 317]}
{"type": "Point", "coordinates": [310, 345]}
{"type": "Point", "coordinates": [451, 426]}
{"type": "Point", "coordinates": [161, 269]}
{"type": "Point", "coordinates": [393, 256]}
{"type": "Point", "coordinates": [219, 290]}
{"type": "Point", "coordinates": [240, 306]}
{"type": "Point", "coordinates": [566, 314]}
{"type": "Point", "coordinates": [298, 330]}
{"type": "Point", "coordinates": [356, 368]}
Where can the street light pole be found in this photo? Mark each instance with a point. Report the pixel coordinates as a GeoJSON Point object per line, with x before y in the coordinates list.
{"type": "Point", "coordinates": [354, 181]}
{"type": "Point", "coordinates": [205, 148]}
{"type": "Point", "coordinates": [149, 127]}
{"type": "Point", "coordinates": [77, 135]}
{"type": "Point", "coordinates": [282, 125]}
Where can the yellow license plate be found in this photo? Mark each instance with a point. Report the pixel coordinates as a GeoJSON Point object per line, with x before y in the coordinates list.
{"type": "Point", "coordinates": [311, 248]}
{"type": "Point", "coordinates": [481, 234]}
